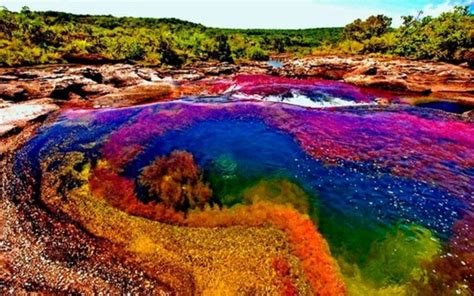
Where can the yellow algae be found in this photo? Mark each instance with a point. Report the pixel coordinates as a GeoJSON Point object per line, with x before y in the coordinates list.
{"type": "Point", "coordinates": [279, 191]}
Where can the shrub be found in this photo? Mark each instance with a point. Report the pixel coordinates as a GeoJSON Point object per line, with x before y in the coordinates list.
{"type": "Point", "coordinates": [374, 26]}
{"type": "Point", "coordinates": [257, 54]}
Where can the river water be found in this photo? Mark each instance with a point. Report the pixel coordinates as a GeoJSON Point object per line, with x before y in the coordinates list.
{"type": "Point", "coordinates": [389, 187]}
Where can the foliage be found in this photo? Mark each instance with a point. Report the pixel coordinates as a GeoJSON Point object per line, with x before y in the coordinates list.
{"type": "Point", "coordinates": [438, 38]}
{"type": "Point", "coordinates": [29, 37]}
{"type": "Point", "coordinates": [374, 26]}
{"type": "Point", "coordinates": [175, 181]}
{"type": "Point", "coordinates": [257, 54]}
{"type": "Point", "coordinates": [448, 37]}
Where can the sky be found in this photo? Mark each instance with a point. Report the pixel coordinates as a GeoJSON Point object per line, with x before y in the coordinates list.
{"type": "Point", "coordinates": [277, 14]}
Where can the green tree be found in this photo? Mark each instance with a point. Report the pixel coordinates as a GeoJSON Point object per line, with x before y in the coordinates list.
{"type": "Point", "coordinates": [444, 38]}
{"type": "Point", "coordinates": [374, 26]}
{"type": "Point", "coordinates": [223, 53]}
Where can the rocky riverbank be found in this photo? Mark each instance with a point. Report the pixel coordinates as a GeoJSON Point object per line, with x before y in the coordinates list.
{"type": "Point", "coordinates": [29, 94]}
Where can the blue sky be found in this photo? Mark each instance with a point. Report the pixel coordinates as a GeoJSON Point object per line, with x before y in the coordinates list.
{"type": "Point", "coordinates": [248, 13]}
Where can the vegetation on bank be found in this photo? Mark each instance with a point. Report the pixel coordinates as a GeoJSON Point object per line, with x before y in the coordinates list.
{"type": "Point", "coordinates": [448, 37]}
{"type": "Point", "coordinates": [28, 37]}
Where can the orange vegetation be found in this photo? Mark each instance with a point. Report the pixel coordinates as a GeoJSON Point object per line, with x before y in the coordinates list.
{"type": "Point", "coordinates": [306, 242]}
{"type": "Point", "coordinates": [175, 181]}
{"type": "Point", "coordinates": [282, 268]}
{"type": "Point", "coordinates": [119, 192]}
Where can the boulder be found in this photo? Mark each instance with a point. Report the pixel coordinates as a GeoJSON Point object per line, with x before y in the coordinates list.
{"type": "Point", "coordinates": [97, 89]}
{"type": "Point", "coordinates": [133, 95]}
{"type": "Point", "coordinates": [87, 59]}
{"type": "Point", "coordinates": [13, 91]}
{"type": "Point", "coordinates": [62, 87]}
{"type": "Point", "coordinates": [120, 75]}
{"type": "Point", "coordinates": [14, 117]}
{"type": "Point", "coordinates": [388, 83]}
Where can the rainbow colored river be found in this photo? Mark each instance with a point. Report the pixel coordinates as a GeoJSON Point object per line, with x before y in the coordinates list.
{"type": "Point", "coordinates": [264, 185]}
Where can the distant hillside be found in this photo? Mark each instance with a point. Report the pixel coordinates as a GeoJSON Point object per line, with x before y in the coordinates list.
{"type": "Point", "coordinates": [30, 37]}
{"type": "Point", "coordinates": [111, 22]}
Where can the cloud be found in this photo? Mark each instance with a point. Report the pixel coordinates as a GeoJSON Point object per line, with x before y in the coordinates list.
{"type": "Point", "coordinates": [437, 9]}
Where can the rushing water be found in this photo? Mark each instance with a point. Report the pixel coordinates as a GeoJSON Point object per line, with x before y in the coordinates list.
{"type": "Point", "coordinates": [390, 188]}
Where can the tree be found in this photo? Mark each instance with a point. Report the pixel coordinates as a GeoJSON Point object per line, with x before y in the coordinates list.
{"type": "Point", "coordinates": [445, 38]}
{"type": "Point", "coordinates": [168, 55]}
{"type": "Point", "coordinates": [374, 26]}
{"type": "Point", "coordinates": [223, 53]}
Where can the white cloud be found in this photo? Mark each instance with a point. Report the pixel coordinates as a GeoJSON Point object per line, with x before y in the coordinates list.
{"type": "Point", "coordinates": [437, 9]}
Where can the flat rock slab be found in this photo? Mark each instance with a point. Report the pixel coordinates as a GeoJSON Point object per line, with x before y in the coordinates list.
{"type": "Point", "coordinates": [393, 74]}
{"type": "Point", "coordinates": [17, 116]}
{"type": "Point", "coordinates": [133, 95]}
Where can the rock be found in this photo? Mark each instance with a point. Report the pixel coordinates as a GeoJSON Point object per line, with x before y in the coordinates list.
{"type": "Point", "coordinates": [382, 101]}
{"type": "Point", "coordinates": [111, 83]}
{"type": "Point", "coordinates": [137, 94]}
{"type": "Point", "coordinates": [388, 83]}
{"type": "Point", "coordinates": [148, 74]}
{"type": "Point", "coordinates": [468, 56]}
{"type": "Point", "coordinates": [469, 115]}
{"type": "Point", "coordinates": [64, 86]}
{"type": "Point", "coordinates": [367, 69]}
{"type": "Point", "coordinates": [12, 91]}
{"type": "Point", "coordinates": [120, 75]}
{"type": "Point", "coordinates": [190, 77]}
{"type": "Point", "coordinates": [92, 74]}
{"type": "Point", "coordinates": [14, 117]}
{"type": "Point", "coordinates": [87, 59]}
{"type": "Point", "coordinates": [97, 89]}
{"type": "Point", "coordinates": [394, 74]}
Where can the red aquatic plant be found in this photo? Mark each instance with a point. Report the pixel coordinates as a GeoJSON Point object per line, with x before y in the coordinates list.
{"type": "Point", "coordinates": [120, 193]}
{"type": "Point", "coordinates": [453, 271]}
{"type": "Point", "coordinates": [282, 268]}
{"type": "Point", "coordinates": [175, 181]}
{"type": "Point", "coordinates": [306, 241]}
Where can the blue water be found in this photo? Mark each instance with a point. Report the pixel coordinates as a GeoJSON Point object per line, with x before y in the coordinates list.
{"type": "Point", "coordinates": [351, 190]}
{"type": "Point", "coordinates": [275, 63]}
{"type": "Point", "coordinates": [349, 196]}
{"type": "Point", "coordinates": [451, 107]}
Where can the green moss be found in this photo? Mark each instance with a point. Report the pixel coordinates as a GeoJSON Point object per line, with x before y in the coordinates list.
{"type": "Point", "coordinates": [398, 257]}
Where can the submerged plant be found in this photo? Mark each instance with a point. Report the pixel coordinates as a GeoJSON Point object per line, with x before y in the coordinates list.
{"type": "Point", "coordinates": [175, 181]}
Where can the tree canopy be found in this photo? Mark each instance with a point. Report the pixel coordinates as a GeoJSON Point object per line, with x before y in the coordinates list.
{"type": "Point", "coordinates": [30, 37]}
{"type": "Point", "coordinates": [448, 37]}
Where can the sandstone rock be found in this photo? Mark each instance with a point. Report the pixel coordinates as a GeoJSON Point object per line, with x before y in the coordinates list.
{"type": "Point", "coordinates": [394, 74]}
{"type": "Point", "coordinates": [190, 77]}
{"type": "Point", "coordinates": [93, 82]}
{"type": "Point", "coordinates": [97, 89]}
{"type": "Point", "coordinates": [12, 91]}
{"type": "Point", "coordinates": [14, 117]}
{"type": "Point", "coordinates": [148, 74]}
{"type": "Point", "coordinates": [64, 86]}
{"type": "Point", "coordinates": [120, 75]}
{"type": "Point", "coordinates": [469, 115]}
{"type": "Point", "coordinates": [389, 83]}
{"type": "Point", "coordinates": [137, 94]}
{"type": "Point", "coordinates": [87, 59]}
